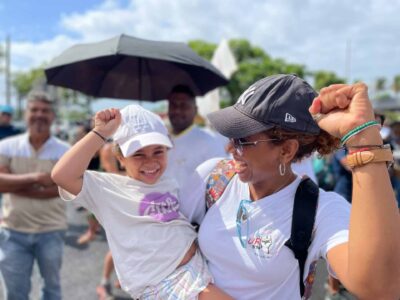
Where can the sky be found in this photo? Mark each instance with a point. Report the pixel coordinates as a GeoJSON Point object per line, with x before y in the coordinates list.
{"type": "Point", "coordinates": [358, 40]}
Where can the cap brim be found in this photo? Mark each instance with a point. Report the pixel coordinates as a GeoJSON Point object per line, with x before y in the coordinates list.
{"type": "Point", "coordinates": [143, 140]}
{"type": "Point", "coordinates": [234, 124]}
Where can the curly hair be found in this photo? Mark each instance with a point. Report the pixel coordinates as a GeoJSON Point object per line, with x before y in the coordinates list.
{"type": "Point", "coordinates": [323, 143]}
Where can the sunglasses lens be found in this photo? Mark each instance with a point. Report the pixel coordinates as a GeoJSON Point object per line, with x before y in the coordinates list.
{"type": "Point", "coordinates": [237, 145]}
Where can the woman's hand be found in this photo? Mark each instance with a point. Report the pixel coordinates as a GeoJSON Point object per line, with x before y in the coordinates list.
{"type": "Point", "coordinates": [344, 107]}
{"type": "Point", "coordinates": [107, 121]}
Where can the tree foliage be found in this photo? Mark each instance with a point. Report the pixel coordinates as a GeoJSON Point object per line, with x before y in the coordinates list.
{"type": "Point", "coordinates": [23, 82]}
{"type": "Point", "coordinates": [380, 84]}
{"type": "Point", "coordinates": [253, 64]}
{"type": "Point", "coordinates": [202, 48]}
{"type": "Point", "coordinates": [396, 84]}
{"type": "Point", "coordinates": [324, 78]}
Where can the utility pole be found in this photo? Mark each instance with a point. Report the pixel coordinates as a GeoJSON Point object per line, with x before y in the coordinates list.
{"type": "Point", "coordinates": [1, 58]}
{"type": "Point", "coordinates": [7, 70]}
{"type": "Point", "coordinates": [348, 61]}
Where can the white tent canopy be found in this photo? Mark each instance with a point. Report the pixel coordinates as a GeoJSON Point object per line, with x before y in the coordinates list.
{"type": "Point", "coordinates": [225, 62]}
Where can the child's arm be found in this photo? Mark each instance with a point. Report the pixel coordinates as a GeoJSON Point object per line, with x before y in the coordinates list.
{"type": "Point", "coordinates": [68, 172]}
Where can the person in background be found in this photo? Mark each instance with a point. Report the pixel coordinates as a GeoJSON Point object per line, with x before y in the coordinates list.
{"type": "Point", "coordinates": [393, 137]}
{"type": "Point", "coordinates": [104, 160]}
{"type": "Point", "coordinates": [34, 218]}
{"type": "Point", "coordinates": [109, 163]}
{"type": "Point", "coordinates": [192, 144]}
{"type": "Point", "coordinates": [6, 127]}
{"type": "Point", "coordinates": [81, 130]}
{"type": "Point", "coordinates": [342, 174]}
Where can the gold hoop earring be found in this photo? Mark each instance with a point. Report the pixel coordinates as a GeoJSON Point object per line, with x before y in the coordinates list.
{"type": "Point", "coordinates": [282, 169]}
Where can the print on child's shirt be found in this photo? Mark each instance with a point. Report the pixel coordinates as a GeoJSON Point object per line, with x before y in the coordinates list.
{"type": "Point", "coordinates": [163, 207]}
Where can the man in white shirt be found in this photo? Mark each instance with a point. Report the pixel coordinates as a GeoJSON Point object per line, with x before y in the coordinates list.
{"type": "Point", "coordinates": [192, 144]}
{"type": "Point", "coordinates": [34, 218]}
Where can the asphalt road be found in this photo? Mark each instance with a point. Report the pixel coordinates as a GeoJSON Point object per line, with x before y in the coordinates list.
{"type": "Point", "coordinates": [82, 265]}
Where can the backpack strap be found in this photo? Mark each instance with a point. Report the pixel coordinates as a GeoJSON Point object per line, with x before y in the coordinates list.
{"type": "Point", "coordinates": [218, 180]}
{"type": "Point", "coordinates": [303, 219]}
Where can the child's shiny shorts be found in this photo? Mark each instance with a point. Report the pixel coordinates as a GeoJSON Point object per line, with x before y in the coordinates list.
{"type": "Point", "coordinates": [185, 283]}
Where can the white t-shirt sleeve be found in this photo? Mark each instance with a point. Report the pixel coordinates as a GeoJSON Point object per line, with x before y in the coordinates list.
{"type": "Point", "coordinates": [331, 225]}
{"type": "Point", "coordinates": [193, 192]}
{"type": "Point", "coordinates": [92, 180]}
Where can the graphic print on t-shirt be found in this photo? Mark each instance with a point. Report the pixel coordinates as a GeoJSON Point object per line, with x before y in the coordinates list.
{"type": "Point", "coordinates": [161, 206]}
{"type": "Point", "coordinates": [263, 243]}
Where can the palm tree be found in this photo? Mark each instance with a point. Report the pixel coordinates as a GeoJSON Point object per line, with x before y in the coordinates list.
{"type": "Point", "coordinates": [380, 84]}
{"type": "Point", "coordinates": [396, 84]}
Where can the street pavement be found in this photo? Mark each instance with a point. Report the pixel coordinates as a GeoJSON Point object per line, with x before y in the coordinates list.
{"type": "Point", "coordinates": [82, 265]}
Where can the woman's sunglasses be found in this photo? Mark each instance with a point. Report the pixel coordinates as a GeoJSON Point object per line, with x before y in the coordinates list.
{"type": "Point", "coordinates": [238, 144]}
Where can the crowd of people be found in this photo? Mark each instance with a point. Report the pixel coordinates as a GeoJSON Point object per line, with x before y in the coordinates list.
{"type": "Point", "coordinates": [138, 179]}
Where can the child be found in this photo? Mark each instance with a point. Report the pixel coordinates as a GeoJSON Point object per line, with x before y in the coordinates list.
{"type": "Point", "coordinates": [152, 243]}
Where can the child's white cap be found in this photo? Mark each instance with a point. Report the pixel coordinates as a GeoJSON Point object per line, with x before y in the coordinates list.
{"type": "Point", "coordinates": [140, 128]}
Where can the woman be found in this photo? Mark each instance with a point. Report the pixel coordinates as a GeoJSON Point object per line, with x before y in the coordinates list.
{"type": "Point", "coordinates": [271, 126]}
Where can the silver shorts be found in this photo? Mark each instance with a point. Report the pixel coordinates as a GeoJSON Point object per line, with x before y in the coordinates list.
{"type": "Point", "coordinates": [185, 283]}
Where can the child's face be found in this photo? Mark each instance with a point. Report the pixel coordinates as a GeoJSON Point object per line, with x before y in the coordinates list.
{"type": "Point", "coordinates": [147, 164]}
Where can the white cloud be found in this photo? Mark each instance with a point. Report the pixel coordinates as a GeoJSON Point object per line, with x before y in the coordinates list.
{"type": "Point", "coordinates": [310, 32]}
{"type": "Point", "coordinates": [26, 55]}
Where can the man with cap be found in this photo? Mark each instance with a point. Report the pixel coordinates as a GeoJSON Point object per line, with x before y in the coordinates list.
{"type": "Point", "coordinates": [279, 120]}
{"type": "Point", "coordinates": [6, 128]}
{"type": "Point", "coordinates": [192, 144]}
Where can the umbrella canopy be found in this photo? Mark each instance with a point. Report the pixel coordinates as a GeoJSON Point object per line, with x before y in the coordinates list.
{"type": "Point", "coordinates": [126, 67]}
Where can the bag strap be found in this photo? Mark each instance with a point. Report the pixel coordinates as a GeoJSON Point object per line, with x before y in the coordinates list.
{"type": "Point", "coordinates": [218, 180]}
{"type": "Point", "coordinates": [303, 219]}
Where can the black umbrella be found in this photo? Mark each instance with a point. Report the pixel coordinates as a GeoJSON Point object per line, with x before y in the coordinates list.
{"type": "Point", "coordinates": [126, 67]}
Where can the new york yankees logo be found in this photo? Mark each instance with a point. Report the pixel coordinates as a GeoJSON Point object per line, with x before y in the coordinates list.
{"type": "Point", "coordinates": [246, 95]}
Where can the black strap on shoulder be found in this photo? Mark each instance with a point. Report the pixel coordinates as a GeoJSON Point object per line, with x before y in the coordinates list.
{"type": "Point", "coordinates": [304, 211]}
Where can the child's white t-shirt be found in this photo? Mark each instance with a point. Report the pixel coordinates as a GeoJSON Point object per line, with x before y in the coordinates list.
{"type": "Point", "coordinates": [147, 235]}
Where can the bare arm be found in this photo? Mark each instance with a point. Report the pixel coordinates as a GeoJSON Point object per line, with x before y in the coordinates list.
{"type": "Point", "coordinates": [68, 172]}
{"type": "Point", "coordinates": [369, 264]}
{"type": "Point", "coordinates": [108, 161]}
{"type": "Point", "coordinates": [11, 183]}
{"type": "Point", "coordinates": [40, 192]}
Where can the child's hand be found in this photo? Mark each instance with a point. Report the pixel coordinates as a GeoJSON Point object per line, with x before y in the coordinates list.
{"type": "Point", "coordinates": [107, 121]}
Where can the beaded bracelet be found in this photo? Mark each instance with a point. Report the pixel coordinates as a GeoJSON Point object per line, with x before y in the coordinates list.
{"type": "Point", "coordinates": [99, 135]}
{"type": "Point", "coordinates": [357, 130]}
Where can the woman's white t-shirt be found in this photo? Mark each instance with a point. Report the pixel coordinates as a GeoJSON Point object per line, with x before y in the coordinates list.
{"type": "Point", "coordinates": [266, 268]}
{"type": "Point", "coordinates": [147, 235]}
